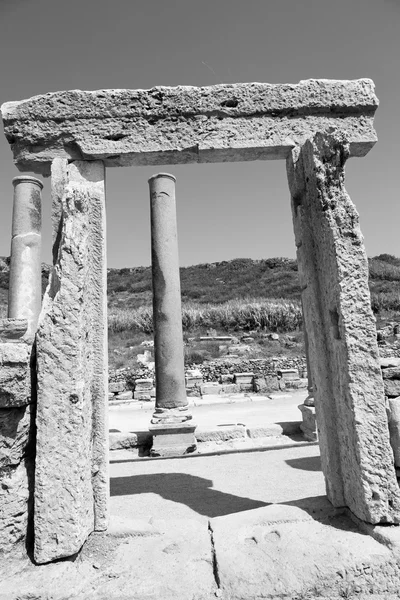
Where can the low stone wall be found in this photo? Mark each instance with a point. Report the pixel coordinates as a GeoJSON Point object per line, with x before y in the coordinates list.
{"type": "Point", "coordinates": [261, 367]}
{"type": "Point", "coordinates": [214, 377]}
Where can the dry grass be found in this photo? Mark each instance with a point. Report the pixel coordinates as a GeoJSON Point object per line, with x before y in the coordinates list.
{"type": "Point", "coordinates": [245, 314]}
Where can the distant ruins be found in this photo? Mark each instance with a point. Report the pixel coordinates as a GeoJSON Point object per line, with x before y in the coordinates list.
{"type": "Point", "coordinates": [53, 378]}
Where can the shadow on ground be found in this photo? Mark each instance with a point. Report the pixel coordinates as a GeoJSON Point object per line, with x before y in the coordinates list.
{"type": "Point", "coordinates": [305, 463]}
{"type": "Point", "coordinates": [195, 492]}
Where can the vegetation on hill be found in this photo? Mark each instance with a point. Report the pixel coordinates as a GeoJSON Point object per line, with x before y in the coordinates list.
{"type": "Point", "coordinates": [215, 288]}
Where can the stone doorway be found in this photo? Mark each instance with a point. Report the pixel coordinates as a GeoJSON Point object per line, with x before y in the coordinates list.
{"type": "Point", "coordinates": [315, 126]}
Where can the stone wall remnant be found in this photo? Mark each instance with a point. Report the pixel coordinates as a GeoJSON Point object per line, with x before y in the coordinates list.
{"type": "Point", "coordinates": [17, 433]}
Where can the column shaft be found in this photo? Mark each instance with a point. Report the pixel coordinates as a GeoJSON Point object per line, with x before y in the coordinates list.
{"type": "Point", "coordinates": [25, 286]}
{"type": "Point", "coordinates": [172, 434]}
{"type": "Point", "coordinates": [167, 314]}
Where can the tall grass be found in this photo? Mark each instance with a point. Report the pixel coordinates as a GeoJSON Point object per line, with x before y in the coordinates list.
{"type": "Point", "coordinates": [252, 313]}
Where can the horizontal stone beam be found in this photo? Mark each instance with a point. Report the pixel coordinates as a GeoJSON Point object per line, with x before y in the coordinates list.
{"type": "Point", "coordinates": [163, 125]}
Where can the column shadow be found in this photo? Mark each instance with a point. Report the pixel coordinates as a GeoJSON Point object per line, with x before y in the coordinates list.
{"type": "Point", "coordinates": [195, 492]}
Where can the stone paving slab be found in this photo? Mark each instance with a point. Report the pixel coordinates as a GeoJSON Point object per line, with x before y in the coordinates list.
{"type": "Point", "coordinates": [278, 551]}
{"type": "Point", "coordinates": [288, 552]}
{"type": "Point", "coordinates": [135, 560]}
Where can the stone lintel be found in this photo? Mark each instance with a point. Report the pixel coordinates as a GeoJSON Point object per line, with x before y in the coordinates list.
{"type": "Point", "coordinates": [177, 125]}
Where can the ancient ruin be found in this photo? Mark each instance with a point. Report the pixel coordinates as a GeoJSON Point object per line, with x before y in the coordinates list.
{"type": "Point", "coordinates": [73, 136]}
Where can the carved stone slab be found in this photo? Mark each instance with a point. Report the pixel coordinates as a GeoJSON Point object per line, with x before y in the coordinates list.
{"type": "Point", "coordinates": [163, 125]}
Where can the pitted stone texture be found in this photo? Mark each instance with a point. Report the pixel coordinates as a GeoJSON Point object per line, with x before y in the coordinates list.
{"type": "Point", "coordinates": [16, 472]}
{"type": "Point", "coordinates": [15, 485]}
{"type": "Point", "coordinates": [71, 480]}
{"type": "Point", "coordinates": [15, 435]}
{"type": "Point", "coordinates": [284, 552]}
{"type": "Point", "coordinates": [13, 330]}
{"type": "Point", "coordinates": [185, 124]}
{"type": "Point", "coordinates": [356, 456]}
{"type": "Point", "coordinates": [15, 374]}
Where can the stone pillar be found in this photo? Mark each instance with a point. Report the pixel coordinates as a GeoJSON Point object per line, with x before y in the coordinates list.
{"type": "Point", "coordinates": [25, 286]}
{"type": "Point", "coordinates": [71, 477]}
{"type": "Point", "coordinates": [356, 457]}
{"type": "Point", "coordinates": [171, 425]}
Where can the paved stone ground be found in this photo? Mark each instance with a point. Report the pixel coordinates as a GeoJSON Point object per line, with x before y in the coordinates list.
{"type": "Point", "coordinates": [238, 525]}
{"type": "Point", "coordinates": [241, 526]}
{"type": "Point", "coordinates": [200, 487]}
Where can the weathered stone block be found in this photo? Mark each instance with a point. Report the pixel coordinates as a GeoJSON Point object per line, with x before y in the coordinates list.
{"type": "Point", "coordinates": [391, 387]}
{"type": "Point", "coordinates": [245, 381]}
{"type": "Point", "coordinates": [15, 484]}
{"type": "Point", "coordinates": [15, 374]}
{"type": "Point", "coordinates": [173, 439]}
{"type": "Point", "coordinates": [288, 373]}
{"type": "Point", "coordinates": [187, 124]}
{"type": "Point", "coordinates": [16, 435]}
{"type": "Point", "coordinates": [392, 361]}
{"type": "Point", "coordinates": [142, 385]}
{"type": "Point", "coordinates": [244, 378]}
{"type": "Point", "coordinates": [391, 373]}
{"type": "Point", "coordinates": [146, 396]}
{"type": "Point", "coordinates": [12, 330]}
{"type": "Point", "coordinates": [309, 424]}
{"type": "Point", "coordinates": [124, 396]}
{"type": "Point", "coordinates": [115, 387]}
{"type": "Point", "coordinates": [210, 389]}
{"type": "Point", "coordinates": [193, 381]}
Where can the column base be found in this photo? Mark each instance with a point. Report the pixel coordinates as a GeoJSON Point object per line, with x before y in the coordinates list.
{"type": "Point", "coordinates": [173, 439]}
{"type": "Point", "coordinates": [309, 424]}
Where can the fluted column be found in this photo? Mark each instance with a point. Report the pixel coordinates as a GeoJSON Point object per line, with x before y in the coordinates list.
{"type": "Point", "coordinates": [173, 431]}
{"type": "Point", "coordinates": [25, 286]}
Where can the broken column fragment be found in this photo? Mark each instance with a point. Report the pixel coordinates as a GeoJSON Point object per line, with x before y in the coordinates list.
{"type": "Point", "coordinates": [25, 286]}
{"type": "Point", "coordinates": [356, 456]}
{"type": "Point", "coordinates": [172, 428]}
{"type": "Point", "coordinates": [71, 481]}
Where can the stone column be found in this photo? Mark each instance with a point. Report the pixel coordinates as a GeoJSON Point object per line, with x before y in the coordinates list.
{"type": "Point", "coordinates": [25, 286]}
{"type": "Point", "coordinates": [171, 426]}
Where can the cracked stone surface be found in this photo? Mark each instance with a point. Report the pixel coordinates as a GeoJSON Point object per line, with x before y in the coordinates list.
{"type": "Point", "coordinates": [356, 456]}
{"type": "Point", "coordinates": [173, 125]}
{"type": "Point", "coordinates": [71, 479]}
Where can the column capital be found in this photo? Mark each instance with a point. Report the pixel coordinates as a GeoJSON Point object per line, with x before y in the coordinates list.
{"type": "Point", "coordinates": [166, 175]}
{"type": "Point", "coordinates": [27, 179]}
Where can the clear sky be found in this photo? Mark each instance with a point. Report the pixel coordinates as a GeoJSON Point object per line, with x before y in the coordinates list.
{"type": "Point", "coordinates": [224, 210]}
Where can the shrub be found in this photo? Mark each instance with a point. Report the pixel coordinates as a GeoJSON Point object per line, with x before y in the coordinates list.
{"type": "Point", "coordinates": [252, 313]}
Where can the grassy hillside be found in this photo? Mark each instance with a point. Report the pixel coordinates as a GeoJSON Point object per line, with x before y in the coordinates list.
{"type": "Point", "coordinates": [221, 282]}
